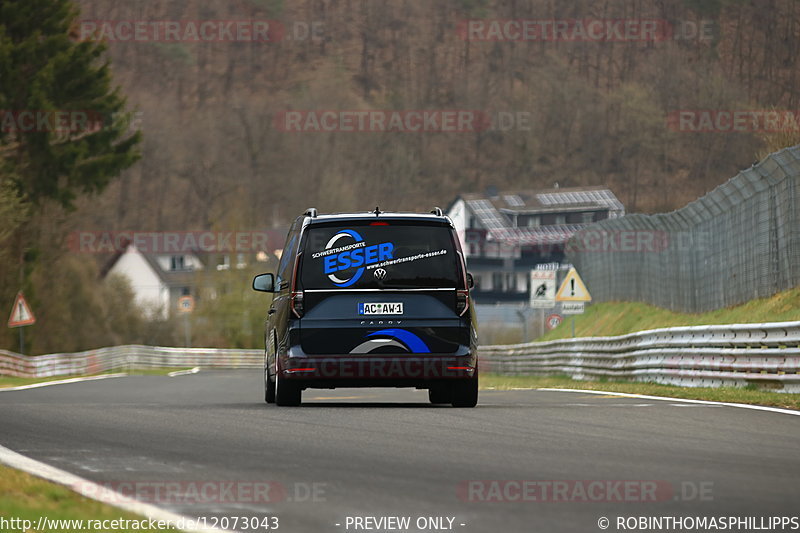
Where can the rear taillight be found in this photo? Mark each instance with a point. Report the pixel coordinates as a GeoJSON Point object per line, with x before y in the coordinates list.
{"type": "Point", "coordinates": [296, 301]}
{"type": "Point", "coordinates": [462, 295]}
{"type": "Point", "coordinates": [297, 304]}
{"type": "Point", "coordinates": [462, 302]}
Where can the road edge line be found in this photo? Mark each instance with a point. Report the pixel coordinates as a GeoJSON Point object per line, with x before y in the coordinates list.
{"type": "Point", "coordinates": [684, 400]}
{"type": "Point", "coordinates": [98, 492]}
{"type": "Point", "coordinates": [63, 381]}
{"type": "Point", "coordinates": [194, 370]}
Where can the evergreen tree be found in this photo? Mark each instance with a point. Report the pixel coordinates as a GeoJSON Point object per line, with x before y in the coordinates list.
{"type": "Point", "coordinates": [63, 128]}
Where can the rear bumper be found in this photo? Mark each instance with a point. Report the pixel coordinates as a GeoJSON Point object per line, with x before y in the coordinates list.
{"type": "Point", "coordinates": [378, 370]}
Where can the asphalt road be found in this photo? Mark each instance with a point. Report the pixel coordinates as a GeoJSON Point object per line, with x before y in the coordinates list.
{"type": "Point", "coordinates": [387, 452]}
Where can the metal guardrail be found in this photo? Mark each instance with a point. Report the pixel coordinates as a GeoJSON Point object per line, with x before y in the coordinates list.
{"type": "Point", "coordinates": [708, 356]}
{"type": "Point", "coordinates": [131, 357]}
{"type": "Point", "coordinates": [695, 356]}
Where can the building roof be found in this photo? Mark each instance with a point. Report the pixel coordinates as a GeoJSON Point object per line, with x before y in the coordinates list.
{"type": "Point", "coordinates": [494, 211]}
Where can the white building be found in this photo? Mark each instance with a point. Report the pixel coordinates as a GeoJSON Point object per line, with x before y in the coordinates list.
{"type": "Point", "coordinates": [157, 280]}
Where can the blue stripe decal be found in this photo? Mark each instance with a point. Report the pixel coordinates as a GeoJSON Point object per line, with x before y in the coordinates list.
{"type": "Point", "coordinates": [414, 343]}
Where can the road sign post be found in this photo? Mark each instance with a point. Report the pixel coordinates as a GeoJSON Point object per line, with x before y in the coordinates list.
{"type": "Point", "coordinates": [553, 321]}
{"type": "Point", "coordinates": [543, 289]}
{"type": "Point", "coordinates": [185, 307]}
{"type": "Point", "coordinates": [573, 294]}
{"type": "Point", "coordinates": [21, 315]}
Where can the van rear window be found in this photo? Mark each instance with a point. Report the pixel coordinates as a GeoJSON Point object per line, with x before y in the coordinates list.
{"type": "Point", "coordinates": [367, 256]}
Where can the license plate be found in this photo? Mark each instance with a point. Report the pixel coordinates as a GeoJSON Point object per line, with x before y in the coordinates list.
{"type": "Point", "coordinates": [380, 308]}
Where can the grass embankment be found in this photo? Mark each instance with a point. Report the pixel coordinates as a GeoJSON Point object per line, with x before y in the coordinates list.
{"type": "Point", "coordinates": [26, 497]}
{"type": "Point", "coordinates": [618, 318]}
{"type": "Point", "coordinates": [748, 395]}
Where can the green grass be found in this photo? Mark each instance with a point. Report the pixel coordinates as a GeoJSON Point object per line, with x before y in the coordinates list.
{"type": "Point", "coordinates": [721, 394]}
{"type": "Point", "coordinates": [9, 381]}
{"type": "Point", "coordinates": [618, 318]}
{"type": "Point", "coordinates": [26, 497]}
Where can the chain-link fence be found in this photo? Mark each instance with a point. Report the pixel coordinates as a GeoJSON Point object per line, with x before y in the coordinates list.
{"type": "Point", "coordinates": [739, 242]}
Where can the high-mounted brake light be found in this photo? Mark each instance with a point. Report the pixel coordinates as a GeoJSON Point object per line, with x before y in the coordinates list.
{"type": "Point", "coordinates": [378, 223]}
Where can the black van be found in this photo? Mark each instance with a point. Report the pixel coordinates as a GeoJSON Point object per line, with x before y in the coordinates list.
{"type": "Point", "coordinates": [371, 300]}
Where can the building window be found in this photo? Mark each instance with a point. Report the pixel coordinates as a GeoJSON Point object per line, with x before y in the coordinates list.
{"type": "Point", "coordinates": [185, 291]}
{"type": "Point", "coordinates": [511, 282]}
{"type": "Point", "coordinates": [588, 218]}
{"type": "Point", "coordinates": [523, 281]}
{"type": "Point", "coordinates": [177, 262]}
{"type": "Point", "coordinates": [534, 222]}
{"type": "Point", "coordinates": [561, 219]}
{"type": "Point", "coordinates": [497, 281]}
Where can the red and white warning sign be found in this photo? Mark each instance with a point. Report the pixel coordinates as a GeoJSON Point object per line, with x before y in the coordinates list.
{"type": "Point", "coordinates": [21, 314]}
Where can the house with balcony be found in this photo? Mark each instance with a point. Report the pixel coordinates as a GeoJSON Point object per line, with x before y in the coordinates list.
{"type": "Point", "coordinates": [507, 234]}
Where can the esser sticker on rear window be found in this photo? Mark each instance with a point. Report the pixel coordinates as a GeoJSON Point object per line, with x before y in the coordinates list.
{"type": "Point", "coordinates": [380, 308]}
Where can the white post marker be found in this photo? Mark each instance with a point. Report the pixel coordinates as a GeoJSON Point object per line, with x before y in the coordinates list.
{"type": "Point", "coordinates": [21, 315]}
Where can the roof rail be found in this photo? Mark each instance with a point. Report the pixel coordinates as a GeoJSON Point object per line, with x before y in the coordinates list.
{"type": "Point", "coordinates": [437, 211]}
{"type": "Point", "coordinates": [311, 212]}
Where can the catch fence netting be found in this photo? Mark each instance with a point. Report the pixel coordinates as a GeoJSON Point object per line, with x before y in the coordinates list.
{"type": "Point", "coordinates": [739, 242]}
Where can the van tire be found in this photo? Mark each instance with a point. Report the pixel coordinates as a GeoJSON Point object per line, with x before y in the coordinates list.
{"type": "Point", "coordinates": [269, 388]}
{"type": "Point", "coordinates": [287, 394]}
{"type": "Point", "coordinates": [465, 392]}
{"type": "Point", "coordinates": [440, 394]}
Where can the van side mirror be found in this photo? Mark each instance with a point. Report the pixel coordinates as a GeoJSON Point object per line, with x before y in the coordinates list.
{"type": "Point", "coordinates": [470, 280]}
{"type": "Point", "coordinates": [264, 283]}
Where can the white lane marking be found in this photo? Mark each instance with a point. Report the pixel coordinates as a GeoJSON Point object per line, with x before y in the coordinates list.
{"type": "Point", "coordinates": [62, 382]}
{"type": "Point", "coordinates": [681, 400]}
{"type": "Point", "coordinates": [614, 405]}
{"type": "Point", "coordinates": [194, 370]}
{"type": "Point", "coordinates": [91, 490]}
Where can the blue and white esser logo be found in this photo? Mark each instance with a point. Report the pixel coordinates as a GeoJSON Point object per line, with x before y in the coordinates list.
{"type": "Point", "coordinates": [353, 255]}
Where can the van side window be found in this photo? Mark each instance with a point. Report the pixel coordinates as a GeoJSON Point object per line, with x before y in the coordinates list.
{"type": "Point", "coordinates": [287, 257]}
